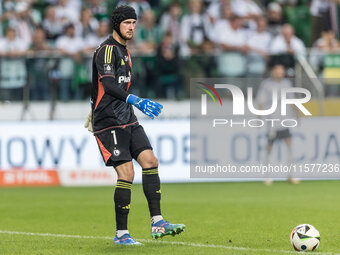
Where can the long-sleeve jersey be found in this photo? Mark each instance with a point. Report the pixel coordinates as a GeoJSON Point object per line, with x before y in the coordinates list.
{"type": "Point", "coordinates": [111, 80]}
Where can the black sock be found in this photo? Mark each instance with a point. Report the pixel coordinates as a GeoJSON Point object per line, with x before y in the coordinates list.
{"type": "Point", "coordinates": [122, 200]}
{"type": "Point", "coordinates": [152, 189]}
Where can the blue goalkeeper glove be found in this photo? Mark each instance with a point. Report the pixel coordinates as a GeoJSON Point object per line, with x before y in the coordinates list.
{"type": "Point", "coordinates": [148, 107]}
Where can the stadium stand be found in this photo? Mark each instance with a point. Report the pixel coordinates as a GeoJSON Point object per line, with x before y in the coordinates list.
{"type": "Point", "coordinates": [174, 41]}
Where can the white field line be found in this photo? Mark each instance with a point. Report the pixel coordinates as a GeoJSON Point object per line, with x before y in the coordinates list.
{"type": "Point", "coordinates": [161, 242]}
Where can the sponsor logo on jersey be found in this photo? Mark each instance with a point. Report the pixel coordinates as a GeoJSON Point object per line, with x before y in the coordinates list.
{"type": "Point", "coordinates": [122, 63]}
{"type": "Point", "coordinates": [108, 68]}
{"type": "Point", "coordinates": [126, 58]}
{"type": "Point", "coordinates": [124, 79]}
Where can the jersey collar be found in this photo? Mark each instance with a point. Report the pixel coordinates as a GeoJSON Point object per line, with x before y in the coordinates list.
{"type": "Point", "coordinates": [116, 42]}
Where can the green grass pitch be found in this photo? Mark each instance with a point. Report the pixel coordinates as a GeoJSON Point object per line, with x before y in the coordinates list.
{"type": "Point", "coordinates": [224, 218]}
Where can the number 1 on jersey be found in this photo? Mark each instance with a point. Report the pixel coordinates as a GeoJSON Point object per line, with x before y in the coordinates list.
{"type": "Point", "coordinates": [113, 132]}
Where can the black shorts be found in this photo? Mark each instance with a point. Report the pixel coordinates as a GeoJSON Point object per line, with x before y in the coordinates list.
{"type": "Point", "coordinates": [279, 135]}
{"type": "Point", "coordinates": [121, 145]}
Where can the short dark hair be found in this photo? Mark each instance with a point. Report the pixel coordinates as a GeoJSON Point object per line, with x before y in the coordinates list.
{"type": "Point", "coordinates": [234, 17]}
{"type": "Point", "coordinates": [68, 26]}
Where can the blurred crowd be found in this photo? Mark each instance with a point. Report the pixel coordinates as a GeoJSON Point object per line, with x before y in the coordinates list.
{"type": "Point", "coordinates": [174, 40]}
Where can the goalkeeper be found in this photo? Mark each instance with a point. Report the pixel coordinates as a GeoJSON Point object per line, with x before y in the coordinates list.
{"type": "Point", "coordinates": [119, 135]}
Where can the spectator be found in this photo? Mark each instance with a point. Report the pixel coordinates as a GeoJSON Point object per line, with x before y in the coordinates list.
{"type": "Point", "coordinates": [22, 21]}
{"type": "Point", "coordinates": [321, 18]}
{"type": "Point", "coordinates": [93, 40]}
{"type": "Point", "coordinates": [75, 5]}
{"type": "Point", "coordinates": [170, 21]}
{"type": "Point", "coordinates": [7, 12]}
{"type": "Point", "coordinates": [298, 16]}
{"type": "Point", "coordinates": [259, 42]}
{"type": "Point", "coordinates": [207, 59]}
{"type": "Point", "coordinates": [248, 10]}
{"type": "Point", "coordinates": [287, 43]}
{"type": "Point", "coordinates": [233, 43]}
{"type": "Point", "coordinates": [327, 42]}
{"type": "Point", "coordinates": [285, 47]}
{"type": "Point", "coordinates": [52, 25]}
{"type": "Point", "coordinates": [87, 25]}
{"type": "Point", "coordinates": [194, 28]}
{"type": "Point", "coordinates": [99, 9]}
{"type": "Point", "coordinates": [66, 13]}
{"type": "Point", "coordinates": [222, 23]}
{"type": "Point", "coordinates": [70, 47]}
{"type": "Point", "coordinates": [148, 34]}
{"type": "Point", "coordinates": [11, 45]}
{"type": "Point", "coordinates": [39, 44]}
{"type": "Point", "coordinates": [275, 18]}
{"type": "Point", "coordinates": [168, 68]}
{"type": "Point", "coordinates": [69, 44]}
{"type": "Point", "coordinates": [216, 10]}
{"type": "Point", "coordinates": [39, 66]}
{"type": "Point", "coordinates": [234, 38]}
{"type": "Point", "coordinates": [13, 72]}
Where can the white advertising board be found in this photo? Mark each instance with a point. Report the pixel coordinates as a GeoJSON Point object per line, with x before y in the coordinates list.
{"type": "Point", "coordinates": [72, 151]}
{"type": "Point", "coordinates": [69, 148]}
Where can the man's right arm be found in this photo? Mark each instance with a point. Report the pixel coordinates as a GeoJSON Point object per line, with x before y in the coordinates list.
{"type": "Point", "coordinates": [106, 72]}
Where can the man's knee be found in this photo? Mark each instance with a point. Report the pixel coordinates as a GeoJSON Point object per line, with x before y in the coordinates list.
{"type": "Point", "coordinates": [147, 159]}
{"type": "Point", "coordinates": [153, 161]}
{"type": "Point", "coordinates": [150, 161]}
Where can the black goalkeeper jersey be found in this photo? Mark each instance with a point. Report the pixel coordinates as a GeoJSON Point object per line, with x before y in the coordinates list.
{"type": "Point", "coordinates": [111, 80]}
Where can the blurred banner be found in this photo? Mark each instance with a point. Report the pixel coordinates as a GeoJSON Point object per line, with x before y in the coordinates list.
{"type": "Point", "coordinates": [29, 150]}
{"type": "Point", "coordinates": [64, 153]}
